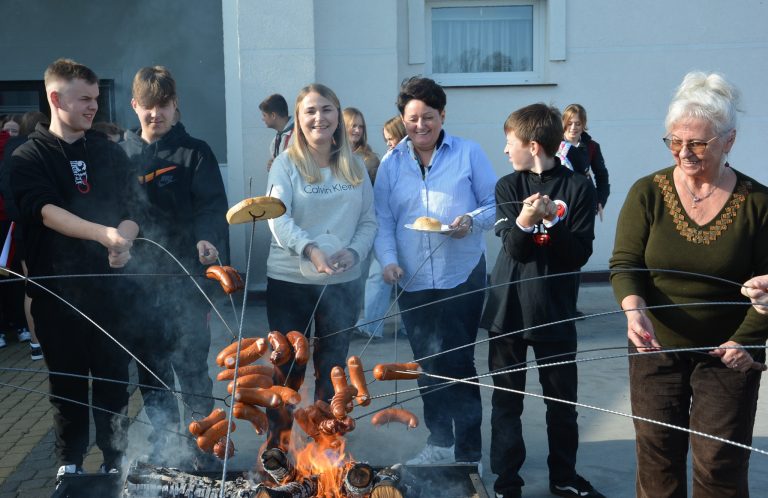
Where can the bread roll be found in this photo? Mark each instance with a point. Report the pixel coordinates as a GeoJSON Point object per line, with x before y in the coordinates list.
{"type": "Point", "coordinates": [427, 223]}
{"type": "Point", "coordinates": [255, 208]}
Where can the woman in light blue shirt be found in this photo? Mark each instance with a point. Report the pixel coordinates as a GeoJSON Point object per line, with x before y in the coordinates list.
{"type": "Point", "coordinates": [432, 173]}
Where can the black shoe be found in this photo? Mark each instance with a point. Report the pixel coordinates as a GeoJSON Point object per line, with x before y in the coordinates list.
{"type": "Point", "coordinates": [578, 487]}
{"type": "Point", "coordinates": [510, 494]}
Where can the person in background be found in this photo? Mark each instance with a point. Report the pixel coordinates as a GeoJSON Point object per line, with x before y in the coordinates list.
{"type": "Point", "coordinates": [357, 135]}
{"type": "Point", "coordinates": [545, 218]}
{"type": "Point", "coordinates": [73, 191]}
{"type": "Point", "coordinates": [111, 130]}
{"type": "Point", "coordinates": [274, 113]}
{"type": "Point", "coordinates": [326, 193]}
{"type": "Point", "coordinates": [700, 215]}
{"type": "Point", "coordinates": [29, 121]}
{"type": "Point", "coordinates": [12, 125]}
{"type": "Point", "coordinates": [575, 133]}
{"type": "Point", "coordinates": [377, 292]}
{"type": "Point", "coordinates": [432, 173]}
{"type": "Point", "coordinates": [186, 212]}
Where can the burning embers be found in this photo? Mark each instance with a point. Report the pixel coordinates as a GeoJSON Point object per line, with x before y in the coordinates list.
{"type": "Point", "coordinates": [283, 480]}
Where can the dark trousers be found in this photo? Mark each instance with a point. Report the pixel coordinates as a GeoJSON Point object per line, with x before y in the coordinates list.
{"type": "Point", "coordinates": [289, 307]}
{"type": "Point", "coordinates": [172, 336]}
{"type": "Point", "coordinates": [507, 445]}
{"type": "Point", "coordinates": [440, 327]}
{"type": "Point", "coordinates": [699, 392]}
{"type": "Point", "coordinates": [73, 345]}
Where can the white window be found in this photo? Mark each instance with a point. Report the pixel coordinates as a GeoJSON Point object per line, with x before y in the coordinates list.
{"type": "Point", "coordinates": [490, 42]}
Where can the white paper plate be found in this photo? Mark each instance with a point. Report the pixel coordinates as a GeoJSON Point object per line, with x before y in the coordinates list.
{"type": "Point", "coordinates": [329, 244]}
{"type": "Point", "coordinates": [443, 229]}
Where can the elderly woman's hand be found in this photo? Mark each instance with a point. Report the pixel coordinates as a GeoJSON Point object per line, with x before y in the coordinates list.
{"type": "Point", "coordinates": [639, 327]}
{"type": "Point", "coordinates": [736, 357]}
{"type": "Point", "coordinates": [756, 289]}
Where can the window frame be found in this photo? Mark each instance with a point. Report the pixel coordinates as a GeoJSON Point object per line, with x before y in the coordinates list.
{"type": "Point", "coordinates": [534, 77]}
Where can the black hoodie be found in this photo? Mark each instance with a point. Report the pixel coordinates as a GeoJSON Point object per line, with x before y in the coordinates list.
{"type": "Point", "coordinates": [183, 184]}
{"type": "Point", "coordinates": [90, 178]}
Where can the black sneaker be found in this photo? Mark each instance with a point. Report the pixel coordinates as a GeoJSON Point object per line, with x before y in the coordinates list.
{"type": "Point", "coordinates": [510, 494]}
{"type": "Point", "coordinates": [35, 352]}
{"type": "Point", "coordinates": [578, 487]}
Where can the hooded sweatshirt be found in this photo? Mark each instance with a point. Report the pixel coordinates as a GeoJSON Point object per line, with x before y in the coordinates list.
{"type": "Point", "coordinates": [183, 185]}
{"type": "Point", "coordinates": [90, 179]}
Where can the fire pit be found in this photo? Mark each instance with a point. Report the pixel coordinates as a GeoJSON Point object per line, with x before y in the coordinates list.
{"type": "Point", "coordinates": [360, 480]}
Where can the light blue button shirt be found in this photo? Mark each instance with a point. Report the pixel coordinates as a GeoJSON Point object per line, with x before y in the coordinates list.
{"type": "Point", "coordinates": [460, 181]}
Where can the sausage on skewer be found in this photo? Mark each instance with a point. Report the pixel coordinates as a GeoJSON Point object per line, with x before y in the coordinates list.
{"type": "Point", "coordinates": [357, 378]}
{"type": "Point", "coordinates": [395, 415]}
{"type": "Point", "coordinates": [396, 371]}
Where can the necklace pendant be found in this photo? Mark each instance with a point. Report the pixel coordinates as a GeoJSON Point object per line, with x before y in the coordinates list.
{"type": "Point", "coordinates": [696, 199]}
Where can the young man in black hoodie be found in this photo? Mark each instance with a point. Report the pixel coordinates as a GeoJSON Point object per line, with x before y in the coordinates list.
{"type": "Point", "coordinates": [70, 187]}
{"type": "Point", "coordinates": [186, 215]}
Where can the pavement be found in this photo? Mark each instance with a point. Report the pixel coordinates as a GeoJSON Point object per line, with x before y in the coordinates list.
{"type": "Point", "coordinates": [606, 452]}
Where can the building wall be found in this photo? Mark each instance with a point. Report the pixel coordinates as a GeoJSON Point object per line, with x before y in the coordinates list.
{"type": "Point", "coordinates": [622, 61]}
{"type": "Point", "coordinates": [115, 39]}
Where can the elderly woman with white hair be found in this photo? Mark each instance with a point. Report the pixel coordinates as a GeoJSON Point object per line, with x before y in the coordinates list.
{"type": "Point", "coordinates": [702, 216]}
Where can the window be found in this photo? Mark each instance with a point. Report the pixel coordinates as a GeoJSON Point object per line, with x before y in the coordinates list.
{"type": "Point", "coordinates": [18, 97]}
{"type": "Point", "coordinates": [485, 43]}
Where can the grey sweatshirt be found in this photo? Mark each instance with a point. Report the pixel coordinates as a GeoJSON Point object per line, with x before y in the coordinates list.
{"type": "Point", "coordinates": [331, 206]}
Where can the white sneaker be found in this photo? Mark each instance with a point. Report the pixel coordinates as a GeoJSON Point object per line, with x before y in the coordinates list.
{"type": "Point", "coordinates": [2, 341]}
{"type": "Point", "coordinates": [24, 335]}
{"type": "Point", "coordinates": [479, 466]}
{"type": "Point", "coordinates": [432, 454]}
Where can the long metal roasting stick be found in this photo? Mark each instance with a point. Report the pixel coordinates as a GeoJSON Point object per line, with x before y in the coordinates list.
{"type": "Point", "coordinates": [75, 402]}
{"type": "Point", "coordinates": [237, 359]}
{"type": "Point", "coordinates": [231, 298]}
{"type": "Point", "coordinates": [100, 328]}
{"type": "Point", "coordinates": [606, 410]}
{"type": "Point", "coordinates": [192, 278]}
{"type": "Point", "coordinates": [104, 379]}
{"type": "Point", "coordinates": [552, 275]}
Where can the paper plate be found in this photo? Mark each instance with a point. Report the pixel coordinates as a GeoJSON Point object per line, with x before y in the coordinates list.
{"type": "Point", "coordinates": [443, 229]}
{"type": "Point", "coordinates": [329, 244]}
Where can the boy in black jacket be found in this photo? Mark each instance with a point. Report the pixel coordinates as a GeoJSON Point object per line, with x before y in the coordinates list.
{"type": "Point", "coordinates": [186, 215]}
{"type": "Point", "coordinates": [545, 218]}
{"type": "Point", "coordinates": [70, 187]}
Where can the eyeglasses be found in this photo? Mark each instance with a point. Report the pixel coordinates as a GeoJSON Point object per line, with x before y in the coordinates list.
{"type": "Point", "coordinates": [696, 146]}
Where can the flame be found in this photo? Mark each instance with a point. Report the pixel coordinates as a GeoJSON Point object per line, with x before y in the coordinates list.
{"type": "Point", "coordinates": [324, 458]}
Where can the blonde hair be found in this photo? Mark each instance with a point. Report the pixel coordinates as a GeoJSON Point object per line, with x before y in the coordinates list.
{"type": "Point", "coordinates": [575, 110]}
{"type": "Point", "coordinates": [395, 127]}
{"type": "Point", "coordinates": [342, 163]}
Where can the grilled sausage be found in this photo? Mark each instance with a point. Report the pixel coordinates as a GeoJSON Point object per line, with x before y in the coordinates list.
{"type": "Point", "coordinates": [300, 346]}
{"type": "Point", "coordinates": [338, 379]}
{"type": "Point", "coordinates": [249, 354]}
{"type": "Point", "coordinates": [395, 415]}
{"type": "Point", "coordinates": [357, 378]}
{"type": "Point", "coordinates": [341, 404]}
{"type": "Point", "coordinates": [281, 348]}
{"type": "Point", "coordinates": [198, 427]}
{"type": "Point", "coordinates": [258, 396]}
{"type": "Point", "coordinates": [252, 414]}
{"type": "Point", "coordinates": [288, 395]}
{"type": "Point", "coordinates": [227, 276]}
{"type": "Point", "coordinates": [218, 448]}
{"type": "Point", "coordinates": [209, 437]}
{"type": "Point", "coordinates": [229, 373]}
{"type": "Point", "coordinates": [232, 348]}
{"type": "Point", "coordinates": [255, 380]}
{"type": "Point", "coordinates": [396, 371]}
